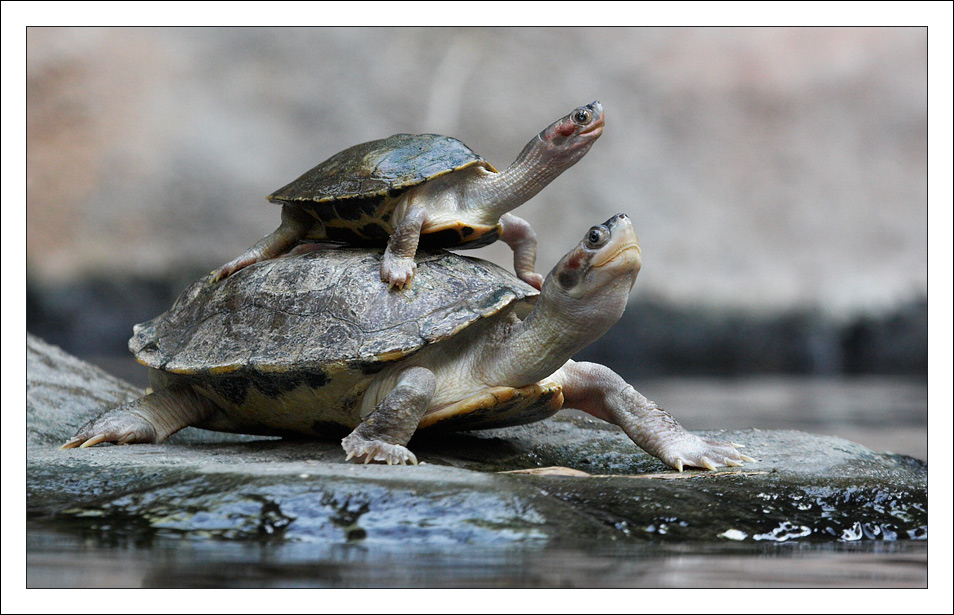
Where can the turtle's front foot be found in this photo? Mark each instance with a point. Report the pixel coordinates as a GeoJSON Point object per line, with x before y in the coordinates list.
{"type": "Point", "coordinates": [122, 427]}
{"type": "Point", "coordinates": [397, 271]}
{"type": "Point", "coordinates": [600, 391]}
{"type": "Point", "coordinates": [366, 451]}
{"type": "Point", "coordinates": [519, 235]}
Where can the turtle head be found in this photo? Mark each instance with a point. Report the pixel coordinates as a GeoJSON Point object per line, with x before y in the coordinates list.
{"type": "Point", "coordinates": [582, 297]}
{"type": "Point", "coordinates": [570, 137]}
{"type": "Point", "coordinates": [591, 284]}
{"type": "Point", "coordinates": [551, 152]}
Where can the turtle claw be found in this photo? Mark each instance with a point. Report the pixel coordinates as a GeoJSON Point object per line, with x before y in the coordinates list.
{"type": "Point", "coordinates": [742, 457]}
{"type": "Point", "coordinates": [118, 425]}
{"type": "Point", "coordinates": [71, 443]}
{"type": "Point", "coordinates": [689, 450]}
{"type": "Point", "coordinates": [397, 271]}
{"type": "Point", "coordinates": [225, 271]}
{"type": "Point", "coordinates": [221, 273]}
{"type": "Point", "coordinates": [214, 276]}
{"type": "Point", "coordinates": [127, 439]}
{"type": "Point", "coordinates": [366, 451]}
{"type": "Point", "coordinates": [98, 438]}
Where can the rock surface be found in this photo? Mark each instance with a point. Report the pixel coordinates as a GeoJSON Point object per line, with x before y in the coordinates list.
{"type": "Point", "coordinates": [549, 483]}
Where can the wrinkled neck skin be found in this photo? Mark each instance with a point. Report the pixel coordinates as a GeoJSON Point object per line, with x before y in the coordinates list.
{"type": "Point", "coordinates": [557, 328]}
{"type": "Point", "coordinates": [536, 166]}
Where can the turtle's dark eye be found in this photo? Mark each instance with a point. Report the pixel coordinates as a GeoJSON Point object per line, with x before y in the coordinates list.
{"type": "Point", "coordinates": [596, 237]}
{"type": "Point", "coordinates": [581, 116]}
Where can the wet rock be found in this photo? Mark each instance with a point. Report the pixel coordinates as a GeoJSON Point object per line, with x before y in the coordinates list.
{"type": "Point", "coordinates": [548, 483]}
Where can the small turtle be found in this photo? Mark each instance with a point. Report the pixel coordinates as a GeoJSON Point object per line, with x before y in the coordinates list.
{"type": "Point", "coordinates": [306, 345]}
{"type": "Point", "coordinates": [425, 188]}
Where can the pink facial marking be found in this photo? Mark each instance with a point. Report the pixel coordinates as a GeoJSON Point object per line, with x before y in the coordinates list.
{"type": "Point", "coordinates": [566, 129]}
{"type": "Point", "coordinates": [574, 261]}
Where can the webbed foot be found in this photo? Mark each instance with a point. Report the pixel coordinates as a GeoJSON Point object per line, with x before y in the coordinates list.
{"type": "Point", "coordinates": [295, 226]}
{"type": "Point", "coordinates": [366, 451]}
{"type": "Point", "coordinates": [231, 267]}
{"type": "Point", "coordinates": [121, 427]}
{"type": "Point", "coordinates": [689, 450]}
{"type": "Point", "coordinates": [600, 391]}
{"type": "Point", "coordinates": [149, 419]}
{"type": "Point", "coordinates": [397, 271]}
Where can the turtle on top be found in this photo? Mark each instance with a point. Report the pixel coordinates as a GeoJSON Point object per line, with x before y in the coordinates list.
{"type": "Point", "coordinates": [427, 189]}
{"type": "Point", "coordinates": [313, 344]}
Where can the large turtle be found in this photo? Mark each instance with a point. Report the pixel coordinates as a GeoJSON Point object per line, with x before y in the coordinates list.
{"type": "Point", "coordinates": [305, 344]}
{"type": "Point", "coordinates": [428, 188]}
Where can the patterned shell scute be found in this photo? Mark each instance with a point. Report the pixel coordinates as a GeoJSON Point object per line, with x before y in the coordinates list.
{"type": "Point", "coordinates": [321, 308]}
{"type": "Point", "coordinates": [380, 167]}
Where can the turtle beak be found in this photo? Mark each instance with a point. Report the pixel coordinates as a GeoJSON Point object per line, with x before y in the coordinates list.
{"type": "Point", "coordinates": [596, 127]}
{"type": "Point", "coordinates": [622, 252]}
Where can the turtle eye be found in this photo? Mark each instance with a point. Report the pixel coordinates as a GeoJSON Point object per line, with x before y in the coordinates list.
{"type": "Point", "coordinates": [582, 115]}
{"type": "Point", "coordinates": [596, 237]}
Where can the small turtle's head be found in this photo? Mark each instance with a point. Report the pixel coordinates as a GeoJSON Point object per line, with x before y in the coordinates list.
{"type": "Point", "coordinates": [570, 137]}
{"type": "Point", "coordinates": [591, 284]}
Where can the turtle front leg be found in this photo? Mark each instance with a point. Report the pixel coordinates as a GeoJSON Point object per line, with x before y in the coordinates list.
{"type": "Point", "coordinates": [149, 419]}
{"type": "Point", "coordinates": [519, 235]}
{"type": "Point", "coordinates": [383, 434]}
{"type": "Point", "coordinates": [397, 265]}
{"type": "Point", "coordinates": [294, 227]}
{"type": "Point", "coordinates": [600, 391]}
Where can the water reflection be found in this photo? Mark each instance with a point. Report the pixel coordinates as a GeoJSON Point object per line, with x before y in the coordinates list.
{"type": "Point", "coordinates": [57, 559]}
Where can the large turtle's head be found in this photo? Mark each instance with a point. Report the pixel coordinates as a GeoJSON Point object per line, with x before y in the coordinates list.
{"type": "Point", "coordinates": [591, 284]}
{"type": "Point", "coordinates": [582, 297]}
{"type": "Point", "coordinates": [570, 137]}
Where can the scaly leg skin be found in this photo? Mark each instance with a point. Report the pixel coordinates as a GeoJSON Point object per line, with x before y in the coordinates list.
{"type": "Point", "coordinates": [294, 227]}
{"type": "Point", "coordinates": [383, 434]}
{"type": "Point", "coordinates": [397, 265]}
{"type": "Point", "coordinates": [599, 391]}
{"type": "Point", "coordinates": [149, 419]}
{"type": "Point", "coordinates": [519, 235]}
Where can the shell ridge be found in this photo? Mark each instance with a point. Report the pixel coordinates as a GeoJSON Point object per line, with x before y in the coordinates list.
{"type": "Point", "coordinates": [319, 309]}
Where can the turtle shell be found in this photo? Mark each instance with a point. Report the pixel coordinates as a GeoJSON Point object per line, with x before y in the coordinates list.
{"type": "Point", "coordinates": [354, 192]}
{"type": "Point", "coordinates": [309, 312]}
{"type": "Point", "coordinates": [379, 168]}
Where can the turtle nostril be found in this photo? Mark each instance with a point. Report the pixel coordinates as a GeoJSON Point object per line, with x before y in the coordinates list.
{"type": "Point", "coordinates": [612, 221]}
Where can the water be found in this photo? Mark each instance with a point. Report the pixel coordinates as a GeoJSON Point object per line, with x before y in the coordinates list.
{"type": "Point", "coordinates": [885, 414]}
{"type": "Point", "coordinates": [58, 559]}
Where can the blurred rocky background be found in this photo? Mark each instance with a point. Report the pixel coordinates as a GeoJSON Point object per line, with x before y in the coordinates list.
{"type": "Point", "coordinates": [777, 177]}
